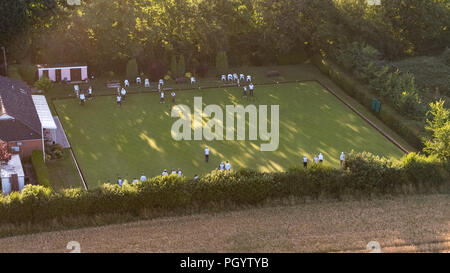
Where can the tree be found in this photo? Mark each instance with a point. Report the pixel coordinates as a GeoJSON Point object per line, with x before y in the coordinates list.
{"type": "Point", "coordinates": [221, 62]}
{"type": "Point", "coordinates": [173, 66]}
{"type": "Point", "coordinates": [439, 125]}
{"type": "Point", "coordinates": [132, 69]}
{"type": "Point", "coordinates": [181, 66]}
{"type": "Point", "coordinates": [5, 155]}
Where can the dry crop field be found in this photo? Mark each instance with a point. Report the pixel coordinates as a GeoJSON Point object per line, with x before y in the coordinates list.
{"type": "Point", "coordinates": [405, 224]}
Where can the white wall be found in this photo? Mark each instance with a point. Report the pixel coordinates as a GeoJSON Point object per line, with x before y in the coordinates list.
{"type": "Point", "coordinates": [6, 186]}
{"type": "Point", "coordinates": [65, 73]}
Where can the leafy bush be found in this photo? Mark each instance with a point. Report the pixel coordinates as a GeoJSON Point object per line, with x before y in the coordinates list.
{"type": "Point", "coordinates": [221, 62]}
{"type": "Point", "coordinates": [174, 66]}
{"type": "Point", "coordinates": [181, 66]}
{"type": "Point", "coordinates": [132, 69]}
{"type": "Point", "coordinates": [398, 88]}
{"type": "Point", "coordinates": [357, 57]}
{"type": "Point", "coordinates": [44, 84]}
{"type": "Point", "coordinates": [13, 72]}
{"type": "Point", "coordinates": [355, 90]}
{"type": "Point", "coordinates": [54, 151]}
{"type": "Point", "coordinates": [40, 168]}
{"type": "Point", "coordinates": [28, 73]}
{"type": "Point", "coordinates": [364, 175]}
{"type": "Point", "coordinates": [431, 74]}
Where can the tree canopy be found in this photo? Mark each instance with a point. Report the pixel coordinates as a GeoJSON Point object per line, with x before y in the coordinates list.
{"type": "Point", "coordinates": [108, 33]}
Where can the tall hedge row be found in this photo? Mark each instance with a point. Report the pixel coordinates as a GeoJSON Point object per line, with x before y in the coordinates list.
{"type": "Point", "coordinates": [363, 175]}
{"type": "Point", "coordinates": [392, 120]}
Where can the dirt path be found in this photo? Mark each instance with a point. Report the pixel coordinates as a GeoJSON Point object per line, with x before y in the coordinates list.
{"type": "Point", "coordinates": [413, 224]}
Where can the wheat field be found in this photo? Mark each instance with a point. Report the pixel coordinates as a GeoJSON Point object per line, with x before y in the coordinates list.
{"type": "Point", "coordinates": [404, 224]}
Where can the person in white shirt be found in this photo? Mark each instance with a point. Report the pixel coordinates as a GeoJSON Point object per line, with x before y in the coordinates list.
{"type": "Point", "coordinates": [227, 166]}
{"type": "Point", "coordinates": [179, 173]}
{"type": "Point", "coordinates": [206, 154]}
{"type": "Point", "coordinates": [230, 77]}
{"type": "Point", "coordinates": [193, 80]}
{"type": "Point", "coordinates": [162, 98]}
{"type": "Point", "coordinates": [161, 82]}
{"type": "Point", "coordinates": [119, 181]}
{"type": "Point", "coordinates": [223, 78]}
{"type": "Point", "coordinates": [147, 83]}
{"type": "Point", "coordinates": [316, 159]}
{"type": "Point", "coordinates": [164, 173]}
{"type": "Point", "coordinates": [143, 178]}
{"type": "Point", "coordinates": [174, 172]}
{"type": "Point", "coordinates": [342, 158]}
{"type": "Point", "coordinates": [251, 87]}
{"type": "Point", "coordinates": [195, 177]}
{"type": "Point", "coordinates": [135, 180]}
{"type": "Point", "coordinates": [173, 96]}
{"type": "Point", "coordinates": [241, 77]}
{"type": "Point", "coordinates": [249, 78]}
{"type": "Point", "coordinates": [138, 80]}
{"type": "Point", "coordinates": [221, 166]}
{"type": "Point", "coordinates": [76, 88]}
{"type": "Point", "coordinates": [119, 100]}
{"type": "Point", "coordinates": [126, 83]}
{"type": "Point", "coordinates": [235, 77]}
{"type": "Point", "coordinates": [320, 158]}
{"type": "Point", "coordinates": [305, 161]}
{"type": "Point", "coordinates": [123, 93]}
{"type": "Point", "coordinates": [244, 92]}
{"type": "Point", "coordinates": [82, 99]}
{"type": "Point", "coordinates": [90, 93]}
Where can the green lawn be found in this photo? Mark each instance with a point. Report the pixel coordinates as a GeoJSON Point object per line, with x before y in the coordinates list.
{"type": "Point", "coordinates": [109, 140]}
{"type": "Point", "coordinates": [63, 173]}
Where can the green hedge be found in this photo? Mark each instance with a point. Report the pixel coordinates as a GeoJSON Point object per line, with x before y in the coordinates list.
{"type": "Point", "coordinates": [28, 73]}
{"type": "Point", "coordinates": [13, 72]}
{"type": "Point", "coordinates": [37, 160]}
{"type": "Point", "coordinates": [364, 176]}
{"type": "Point", "coordinates": [351, 87]}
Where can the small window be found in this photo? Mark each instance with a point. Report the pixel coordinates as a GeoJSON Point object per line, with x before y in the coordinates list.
{"type": "Point", "coordinates": [15, 149]}
{"type": "Point", "coordinates": [19, 143]}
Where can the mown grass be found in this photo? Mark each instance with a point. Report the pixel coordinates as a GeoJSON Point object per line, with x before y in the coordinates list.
{"type": "Point", "coordinates": [111, 141]}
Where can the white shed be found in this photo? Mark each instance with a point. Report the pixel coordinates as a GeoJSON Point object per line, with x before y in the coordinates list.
{"type": "Point", "coordinates": [64, 72]}
{"type": "Point", "coordinates": [12, 175]}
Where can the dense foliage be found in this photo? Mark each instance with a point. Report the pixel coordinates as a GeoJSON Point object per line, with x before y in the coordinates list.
{"type": "Point", "coordinates": [364, 176]}
{"type": "Point", "coordinates": [439, 125]}
{"type": "Point", "coordinates": [44, 84]}
{"type": "Point", "coordinates": [5, 155]}
{"type": "Point", "coordinates": [108, 33]}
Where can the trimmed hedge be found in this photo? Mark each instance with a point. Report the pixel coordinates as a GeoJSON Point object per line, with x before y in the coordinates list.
{"type": "Point", "coordinates": [364, 176]}
{"type": "Point", "coordinates": [37, 160]}
{"type": "Point", "coordinates": [349, 85]}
